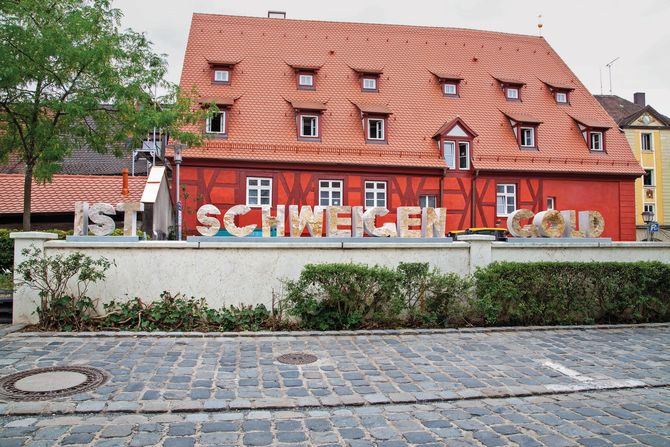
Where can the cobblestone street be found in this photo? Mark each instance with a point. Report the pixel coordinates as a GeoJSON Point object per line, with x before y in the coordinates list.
{"type": "Point", "coordinates": [553, 387]}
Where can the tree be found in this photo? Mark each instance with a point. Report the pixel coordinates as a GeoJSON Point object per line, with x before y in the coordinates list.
{"type": "Point", "coordinates": [69, 76]}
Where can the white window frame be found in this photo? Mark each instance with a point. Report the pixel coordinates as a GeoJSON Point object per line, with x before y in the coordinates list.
{"type": "Point", "coordinates": [600, 147]}
{"type": "Point", "coordinates": [208, 126]}
{"type": "Point", "coordinates": [650, 147]}
{"type": "Point", "coordinates": [382, 130]}
{"type": "Point", "coordinates": [450, 146]}
{"type": "Point", "coordinates": [562, 95]}
{"type": "Point", "coordinates": [373, 187]}
{"type": "Point", "coordinates": [372, 86]}
{"type": "Point", "coordinates": [467, 155]}
{"type": "Point", "coordinates": [329, 187]}
{"type": "Point", "coordinates": [651, 177]}
{"type": "Point", "coordinates": [505, 194]}
{"type": "Point", "coordinates": [649, 207]}
{"type": "Point", "coordinates": [424, 201]}
{"type": "Point", "coordinates": [452, 92]}
{"type": "Point", "coordinates": [532, 136]}
{"type": "Point", "coordinates": [551, 203]}
{"type": "Point", "coordinates": [258, 187]}
{"type": "Point", "coordinates": [315, 127]}
{"type": "Point", "coordinates": [508, 91]}
{"type": "Point", "coordinates": [225, 75]}
{"type": "Point", "coordinates": [304, 77]}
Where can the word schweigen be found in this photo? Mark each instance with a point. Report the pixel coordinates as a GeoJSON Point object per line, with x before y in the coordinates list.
{"type": "Point", "coordinates": [432, 221]}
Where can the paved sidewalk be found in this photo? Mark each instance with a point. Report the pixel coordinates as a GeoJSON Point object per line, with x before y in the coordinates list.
{"type": "Point", "coordinates": [173, 374]}
{"type": "Point", "coordinates": [624, 417]}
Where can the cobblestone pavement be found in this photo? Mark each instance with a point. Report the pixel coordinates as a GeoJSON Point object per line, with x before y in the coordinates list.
{"type": "Point", "coordinates": [163, 374]}
{"type": "Point", "coordinates": [601, 418]}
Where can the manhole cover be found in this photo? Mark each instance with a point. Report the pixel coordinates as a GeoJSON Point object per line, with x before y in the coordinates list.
{"type": "Point", "coordinates": [297, 358]}
{"type": "Point", "coordinates": [47, 383]}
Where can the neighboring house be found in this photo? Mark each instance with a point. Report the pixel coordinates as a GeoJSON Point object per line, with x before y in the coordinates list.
{"type": "Point", "coordinates": [648, 133]}
{"type": "Point", "coordinates": [52, 204]}
{"type": "Point", "coordinates": [327, 113]}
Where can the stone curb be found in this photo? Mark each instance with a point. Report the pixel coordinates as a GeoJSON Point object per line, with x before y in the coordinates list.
{"type": "Point", "coordinates": [11, 329]}
{"type": "Point", "coordinates": [55, 408]}
{"type": "Point", "coordinates": [331, 333]}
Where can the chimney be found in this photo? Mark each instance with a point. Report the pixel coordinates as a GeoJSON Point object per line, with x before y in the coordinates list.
{"type": "Point", "coordinates": [125, 192]}
{"type": "Point", "coordinates": [639, 99]}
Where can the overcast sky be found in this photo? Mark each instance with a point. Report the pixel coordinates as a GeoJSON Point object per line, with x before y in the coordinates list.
{"type": "Point", "coordinates": [587, 34]}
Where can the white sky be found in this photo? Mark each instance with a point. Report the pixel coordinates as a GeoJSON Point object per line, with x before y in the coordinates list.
{"type": "Point", "coordinates": [587, 34]}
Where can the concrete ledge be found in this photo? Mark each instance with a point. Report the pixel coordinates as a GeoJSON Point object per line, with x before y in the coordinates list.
{"type": "Point", "coordinates": [120, 244]}
{"type": "Point", "coordinates": [102, 238]}
{"type": "Point", "coordinates": [32, 235]}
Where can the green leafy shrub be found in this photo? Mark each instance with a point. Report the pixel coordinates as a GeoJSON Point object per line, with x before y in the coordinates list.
{"type": "Point", "coordinates": [62, 282]}
{"type": "Point", "coordinates": [550, 293]}
{"type": "Point", "coordinates": [6, 251]}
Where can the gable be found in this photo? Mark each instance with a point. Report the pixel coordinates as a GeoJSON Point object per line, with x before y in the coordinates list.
{"type": "Point", "coordinates": [457, 131]}
{"type": "Point", "coordinates": [647, 120]}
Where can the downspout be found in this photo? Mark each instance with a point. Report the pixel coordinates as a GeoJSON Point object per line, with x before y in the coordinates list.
{"type": "Point", "coordinates": [444, 174]}
{"type": "Point", "coordinates": [473, 220]}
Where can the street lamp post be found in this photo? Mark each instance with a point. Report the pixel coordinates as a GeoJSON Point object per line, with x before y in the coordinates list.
{"type": "Point", "coordinates": [177, 161]}
{"type": "Point", "coordinates": [648, 219]}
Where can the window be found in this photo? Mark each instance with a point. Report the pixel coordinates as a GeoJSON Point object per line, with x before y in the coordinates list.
{"type": "Point", "coordinates": [306, 80]}
{"type": "Point", "coordinates": [330, 192]}
{"type": "Point", "coordinates": [427, 201]}
{"type": "Point", "coordinates": [463, 155]}
{"type": "Point", "coordinates": [512, 93]}
{"type": "Point", "coordinates": [449, 154]}
{"type": "Point", "coordinates": [222, 76]}
{"type": "Point", "coordinates": [375, 129]}
{"type": "Point", "coordinates": [648, 179]}
{"type": "Point", "coordinates": [259, 191]}
{"type": "Point", "coordinates": [375, 194]}
{"type": "Point", "coordinates": [551, 203]}
{"type": "Point", "coordinates": [449, 89]}
{"type": "Point", "coordinates": [527, 137]}
{"type": "Point", "coordinates": [650, 207]}
{"type": "Point", "coordinates": [309, 126]}
{"type": "Point", "coordinates": [505, 199]}
{"type": "Point", "coordinates": [561, 97]}
{"type": "Point", "coordinates": [646, 142]}
{"type": "Point", "coordinates": [596, 141]}
{"type": "Point", "coordinates": [216, 123]}
{"type": "Point", "coordinates": [369, 84]}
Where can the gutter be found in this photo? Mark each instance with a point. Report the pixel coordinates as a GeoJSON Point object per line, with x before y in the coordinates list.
{"type": "Point", "coordinates": [473, 205]}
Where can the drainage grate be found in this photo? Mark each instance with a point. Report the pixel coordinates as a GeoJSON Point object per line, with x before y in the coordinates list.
{"type": "Point", "coordinates": [48, 383]}
{"type": "Point", "coordinates": [297, 358]}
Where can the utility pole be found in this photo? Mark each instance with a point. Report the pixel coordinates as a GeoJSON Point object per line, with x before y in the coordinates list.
{"type": "Point", "coordinates": [178, 147]}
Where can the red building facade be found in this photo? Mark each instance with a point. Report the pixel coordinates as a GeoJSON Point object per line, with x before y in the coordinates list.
{"type": "Point", "coordinates": [324, 113]}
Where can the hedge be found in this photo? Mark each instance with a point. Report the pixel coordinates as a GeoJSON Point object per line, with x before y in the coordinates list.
{"type": "Point", "coordinates": [553, 293]}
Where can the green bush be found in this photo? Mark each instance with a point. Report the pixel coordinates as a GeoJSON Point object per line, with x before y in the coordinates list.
{"type": "Point", "coordinates": [6, 251]}
{"type": "Point", "coordinates": [353, 296]}
{"type": "Point", "coordinates": [550, 293]}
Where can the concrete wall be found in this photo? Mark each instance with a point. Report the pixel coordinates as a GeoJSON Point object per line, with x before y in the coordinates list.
{"type": "Point", "coordinates": [248, 272]}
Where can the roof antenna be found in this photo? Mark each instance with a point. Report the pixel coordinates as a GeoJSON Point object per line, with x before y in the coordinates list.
{"type": "Point", "coordinates": [609, 67]}
{"type": "Point", "coordinates": [539, 24]}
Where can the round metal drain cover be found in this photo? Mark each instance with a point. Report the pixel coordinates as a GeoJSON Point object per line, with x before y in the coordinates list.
{"type": "Point", "coordinates": [47, 383]}
{"type": "Point", "coordinates": [297, 358]}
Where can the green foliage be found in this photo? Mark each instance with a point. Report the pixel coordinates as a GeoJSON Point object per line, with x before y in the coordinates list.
{"type": "Point", "coordinates": [549, 293]}
{"type": "Point", "coordinates": [71, 76]}
{"type": "Point", "coordinates": [61, 305]}
{"type": "Point", "coordinates": [351, 296]}
{"type": "Point", "coordinates": [6, 281]}
{"type": "Point", "coordinates": [6, 251]}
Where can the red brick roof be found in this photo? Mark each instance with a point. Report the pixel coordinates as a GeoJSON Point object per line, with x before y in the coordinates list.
{"type": "Point", "coordinates": [60, 195]}
{"type": "Point", "coordinates": [262, 123]}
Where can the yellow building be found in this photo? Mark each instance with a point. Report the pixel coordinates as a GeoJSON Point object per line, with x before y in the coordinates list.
{"type": "Point", "coordinates": [648, 133]}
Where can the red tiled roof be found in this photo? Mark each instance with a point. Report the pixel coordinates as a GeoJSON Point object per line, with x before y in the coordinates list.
{"type": "Point", "coordinates": [559, 85]}
{"type": "Point", "coordinates": [60, 195]}
{"type": "Point", "coordinates": [308, 105]}
{"type": "Point", "coordinates": [368, 70]}
{"type": "Point", "coordinates": [222, 62]}
{"type": "Point", "coordinates": [590, 122]}
{"type": "Point", "coordinates": [368, 107]}
{"type": "Point", "coordinates": [262, 124]}
{"type": "Point", "coordinates": [521, 117]}
{"type": "Point", "coordinates": [219, 101]}
{"type": "Point", "coordinates": [508, 80]}
{"type": "Point", "coordinates": [446, 76]}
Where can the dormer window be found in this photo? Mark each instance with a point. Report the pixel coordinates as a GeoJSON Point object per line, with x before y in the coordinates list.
{"type": "Point", "coordinates": [222, 76]}
{"type": "Point", "coordinates": [562, 97]}
{"type": "Point", "coordinates": [560, 90]}
{"type": "Point", "coordinates": [511, 88]}
{"type": "Point", "coordinates": [527, 138]}
{"type": "Point", "coordinates": [369, 84]}
{"type": "Point", "coordinates": [221, 71]}
{"type": "Point", "coordinates": [308, 119]}
{"type": "Point", "coordinates": [594, 133]}
{"type": "Point", "coordinates": [596, 139]}
{"type": "Point", "coordinates": [306, 81]}
{"type": "Point", "coordinates": [525, 129]}
{"type": "Point", "coordinates": [512, 93]}
{"type": "Point", "coordinates": [216, 123]}
{"type": "Point", "coordinates": [455, 139]}
{"type": "Point", "coordinates": [450, 83]}
{"type": "Point", "coordinates": [376, 129]}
